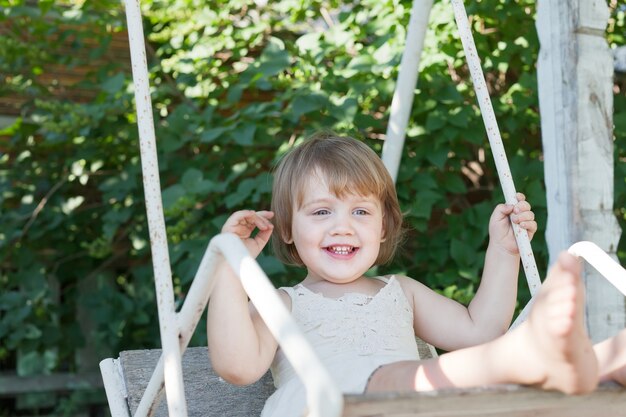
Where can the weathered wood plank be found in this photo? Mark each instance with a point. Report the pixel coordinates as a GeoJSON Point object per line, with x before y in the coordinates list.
{"type": "Point", "coordinates": [206, 393]}
{"type": "Point", "coordinates": [204, 390]}
{"type": "Point", "coordinates": [497, 401]}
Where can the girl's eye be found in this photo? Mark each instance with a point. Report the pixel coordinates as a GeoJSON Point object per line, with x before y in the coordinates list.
{"type": "Point", "coordinates": [360, 212]}
{"type": "Point", "coordinates": [321, 212]}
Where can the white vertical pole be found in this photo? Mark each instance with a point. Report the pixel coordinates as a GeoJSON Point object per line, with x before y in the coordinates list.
{"type": "Point", "coordinates": [489, 119]}
{"type": "Point", "coordinates": [402, 101]}
{"type": "Point", "coordinates": [156, 223]}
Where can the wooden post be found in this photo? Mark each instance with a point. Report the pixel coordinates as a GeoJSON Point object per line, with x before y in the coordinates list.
{"type": "Point", "coordinates": [575, 71]}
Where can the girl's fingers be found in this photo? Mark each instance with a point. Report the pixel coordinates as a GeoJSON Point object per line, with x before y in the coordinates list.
{"type": "Point", "coordinates": [530, 226]}
{"type": "Point", "coordinates": [265, 214]}
{"type": "Point", "coordinates": [235, 219]}
{"type": "Point", "coordinates": [504, 210]}
{"type": "Point", "coordinates": [525, 216]}
{"type": "Point", "coordinates": [263, 236]}
{"type": "Point", "coordinates": [522, 206]}
{"type": "Point", "coordinates": [249, 220]}
{"type": "Point", "coordinates": [525, 222]}
{"type": "Point", "coordinates": [246, 218]}
{"type": "Point", "coordinates": [261, 219]}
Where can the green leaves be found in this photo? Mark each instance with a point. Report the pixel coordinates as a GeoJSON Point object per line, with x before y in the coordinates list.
{"type": "Point", "coordinates": [307, 103]}
{"type": "Point", "coordinates": [273, 60]}
{"type": "Point", "coordinates": [250, 189]}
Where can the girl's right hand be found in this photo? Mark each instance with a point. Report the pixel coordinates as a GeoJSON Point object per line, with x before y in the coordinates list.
{"type": "Point", "coordinates": [242, 223]}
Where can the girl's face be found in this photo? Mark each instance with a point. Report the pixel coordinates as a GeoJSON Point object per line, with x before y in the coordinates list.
{"type": "Point", "coordinates": [338, 239]}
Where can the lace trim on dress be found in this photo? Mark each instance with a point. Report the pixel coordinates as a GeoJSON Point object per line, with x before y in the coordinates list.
{"type": "Point", "coordinates": [365, 323]}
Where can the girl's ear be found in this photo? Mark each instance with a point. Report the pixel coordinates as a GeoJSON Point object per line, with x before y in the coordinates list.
{"type": "Point", "coordinates": [383, 234]}
{"type": "Point", "coordinates": [287, 239]}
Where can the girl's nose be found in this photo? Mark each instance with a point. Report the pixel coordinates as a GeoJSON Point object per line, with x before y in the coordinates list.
{"type": "Point", "coordinates": [342, 225]}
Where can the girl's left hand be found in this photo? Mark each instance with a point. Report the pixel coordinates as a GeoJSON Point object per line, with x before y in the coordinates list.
{"type": "Point", "coordinates": [243, 223]}
{"type": "Point", "coordinates": [500, 228]}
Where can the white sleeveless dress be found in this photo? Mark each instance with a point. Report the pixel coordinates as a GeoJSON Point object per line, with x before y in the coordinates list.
{"type": "Point", "coordinates": [352, 335]}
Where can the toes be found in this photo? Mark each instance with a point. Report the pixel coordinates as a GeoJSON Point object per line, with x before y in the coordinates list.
{"type": "Point", "coordinates": [569, 262]}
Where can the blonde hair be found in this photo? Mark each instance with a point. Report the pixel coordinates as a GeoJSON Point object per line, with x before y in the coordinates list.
{"type": "Point", "coordinates": [347, 166]}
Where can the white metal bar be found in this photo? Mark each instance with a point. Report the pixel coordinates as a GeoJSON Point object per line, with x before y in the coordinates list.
{"type": "Point", "coordinates": [522, 315]}
{"type": "Point", "coordinates": [499, 155]}
{"type": "Point", "coordinates": [323, 397]}
{"type": "Point", "coordinates": [199, 292]}
{"type": "Point", "coordinates": [156, 223]}
{"type": "Point", "coordinates": [188, 318]}
{"type": "Point", "coordinates": [602, 262]}
{"type": "Point", "coordinates": [402, 101]}
{"type": "Point", "coordinates": [153, 393]}
{"type": "Point", "coordinates": [114, 388]}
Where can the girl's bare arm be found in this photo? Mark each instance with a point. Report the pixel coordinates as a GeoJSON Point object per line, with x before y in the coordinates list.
{"type": "Point", "coordinates": [450, 325]}
{"type": "Point", "coordinates": [240, 345]}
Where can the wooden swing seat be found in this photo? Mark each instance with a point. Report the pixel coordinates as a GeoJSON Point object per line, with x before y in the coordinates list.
{"type": "Point", "coordinates": [208, 395]}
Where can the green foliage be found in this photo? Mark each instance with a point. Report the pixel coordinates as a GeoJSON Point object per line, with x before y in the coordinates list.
{"type": "Point", "coordinates": [617, 26]}
{"type": "Point", "coordinates": [234, 84]}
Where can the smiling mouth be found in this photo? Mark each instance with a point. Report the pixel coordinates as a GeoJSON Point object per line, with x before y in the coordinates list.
{"type": "Point", "coordinates": [341, 250]}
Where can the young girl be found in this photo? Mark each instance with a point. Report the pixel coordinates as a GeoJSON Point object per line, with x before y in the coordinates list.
{"type": "Point", "coordinates": [336, 213]}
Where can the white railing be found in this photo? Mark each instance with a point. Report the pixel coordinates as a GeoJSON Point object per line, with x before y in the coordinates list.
{"type": "Point", "coordinates": [398, 121]}
{"type": "Point", "coordinates": [602, 262]}
{"type": "Point", "coordinates": [401, 110]}
{"type": "Point", "coordinates": [323, 396]}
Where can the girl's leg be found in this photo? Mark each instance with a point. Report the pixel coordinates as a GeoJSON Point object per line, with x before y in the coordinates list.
{"type": "Point", "coordinates": [611, 355]}
{"type": "Point", "coordinates": [550, 350]}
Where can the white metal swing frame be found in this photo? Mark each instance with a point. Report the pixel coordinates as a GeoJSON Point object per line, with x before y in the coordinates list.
{"type": "Point", "coordinates": [323, 397]}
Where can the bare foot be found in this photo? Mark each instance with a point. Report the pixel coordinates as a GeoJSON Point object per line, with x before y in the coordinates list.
{"type": "Point", "coordinates": [611, 355]}
{"type": "Point", "coordinates": [561, 354]}
{"type": "Point", "coordinates": [619, 376]}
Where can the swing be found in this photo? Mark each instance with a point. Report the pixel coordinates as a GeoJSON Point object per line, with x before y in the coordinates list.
{"type": "Point", "coordinates": [135, 381]}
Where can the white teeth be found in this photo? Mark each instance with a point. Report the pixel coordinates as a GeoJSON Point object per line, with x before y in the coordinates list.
{"type": "Point", "coordinates": [341, 250]}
